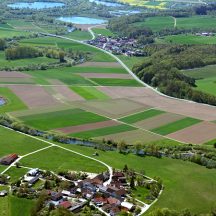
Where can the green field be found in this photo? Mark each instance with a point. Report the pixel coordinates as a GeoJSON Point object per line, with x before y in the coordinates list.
{"type": "Point", "coordinates": [4, 203]}
{"type": "Point", "coordinates": [130, 61]}
{"type": "Point", "coordinates": [105, 32]}
{"type": "Point", "coordinates": [95, 54]}
{"type": "Point", "coordinates": [89, 93]}
{"type": "Point", "coordinates": [13, 102]}
{"type": "Point", "coordinates": [16, 173]}
{"type": "Point", "coordinates": [79, 35]}
{"type": "Point", "coordinates": [103, 131]}
{"type": "Point", "coordinates": [59, 119]}
{"type": "Point", "coordinates": [141, 116]}
{"type": "Point", "coordinates": [188, 39]}
{"type": "Point", "coordinates": [201, 22]}
{"type": "Point", "coordinates": [187, 185]}
{"type": "Point", "coordinates": [57, 159]}
{"type": "Point", "coordinates": [156, 23]}
{"type": "Point", "coordinates": [206, 78]}
{"type": "Point", "coordinates": [24, 62]}
{"type": "Point", "coordinates": [175, 126]}
{"type": "Point", "coordinates": [10, 33]}
{"type": "Point", "coordinates": [116, 82]}
{"type": "Point", "coordinates": [12, 142]}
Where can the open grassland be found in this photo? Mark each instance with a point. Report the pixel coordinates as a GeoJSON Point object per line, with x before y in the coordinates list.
{"type": "Point", "coordinates": [188, 39]}
{"type": "Point", "coordinates": [103, 31]}
{"type": "Point", "coordinates": [79, 35]}
{"type": "Point", "coordinates": [103, 131]}
{"type": "Point", "coordinates": [206, 78]}
{"type": "Point", "coordinates": [116, 82]}
{"type": "Point", "coordinates": [13, 102]}
{"type": "Point", "coordinates": [10, 33]}
{"type": "Point", "coordinates": [201, 22]}
{"type": "Point", "coordinates": [130, 61]}
{"type": "Point", "coordinates": [4, 203]}
{"type": "Point", "coordinates": [141, 116]}
{"type": "Point", "coordinates": [89, 93]}
{"type": "Point", "coordinates": [13, 142]}
{"type": "Point", "coordinates": [56, 159]}
{"type": "Point", "coordinates": [96, 55]}
{"type": "Point", "coordinates": [16, 173]}
{"type": "Point", "coordinates": [187, 185]}
{"type": "Point", "coordinates": [175, 126]}
{"type": "Point", "coordinates": [24, 62]}
{"type": "Point", "coordinates": [156, 23]}
{"type": "Point", "coordinates": [59, 119]}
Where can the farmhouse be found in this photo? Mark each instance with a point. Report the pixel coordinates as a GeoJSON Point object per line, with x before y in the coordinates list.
{"type": "Point", "coordinates": [9, 159]}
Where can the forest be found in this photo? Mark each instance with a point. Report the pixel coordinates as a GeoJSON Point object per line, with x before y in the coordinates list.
{"type": "Point", "coordinates": [162, 69]}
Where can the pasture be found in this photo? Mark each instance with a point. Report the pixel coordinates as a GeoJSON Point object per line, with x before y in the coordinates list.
{"type": "Point", "coordinates": [79, 35]}
{"type": "Point", "coordinates": [59, 119]}
{"type": "Point", "coordinates": [103, 31]}
{"type": "Point", "coordinates": [13, 102]}
{"type": "Point", "coordinates": [13, 142]}
{"type": "Point", "coordinates": [116, 82]}
{"type": "Point", "coordinates": [89, 93]}
{"type": "Point", "coordinates": [175, 126]}
{"type": "Point", "coordinates": [188, 39]}
{"type": "Point", "coordinates": [10, 33]}
{"type": "Point", "coordinates": [56, 159]}
{"type": "Point", "coordinates": [103, 131]}
{"type": "Point", "coordinates": [141, 116]}
{"type": "Point", "coordinates": [206, 78]}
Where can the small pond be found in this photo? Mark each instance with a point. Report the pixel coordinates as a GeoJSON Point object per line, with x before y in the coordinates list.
{"type": "Point", "coordinates": [108, 4]}
{"type": "Point", "coordinates": [2, 101]}
{"type": "Point", "coordinates": [35, 5]}
{"type": "Point", "coordinates": [82, 20]}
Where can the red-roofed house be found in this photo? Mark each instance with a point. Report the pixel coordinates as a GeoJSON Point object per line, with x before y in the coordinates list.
{"type": "Point", "coordinates": [65, 204]}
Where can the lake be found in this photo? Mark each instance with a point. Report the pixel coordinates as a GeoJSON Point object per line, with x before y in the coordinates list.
{"type": "Point", "coordinates": [109, 4]}
{"type": "Point", "coordinates": [35, 5]}
{"type": "Point", "coordinates": [82, 20]}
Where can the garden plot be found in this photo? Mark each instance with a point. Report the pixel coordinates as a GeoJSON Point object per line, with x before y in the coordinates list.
{"type": "Point", "coordinates": [131, 137]}
{"type": "Point", "coordinates": [196, 134]}
{"type": "Point", "coordinates": [34, 96]}
{"type": "Point", "coordinates": [106, 75]}
{"type": "Point", "coordinates": [101, 64]}
{"type": "Point", "coordinates": [122, 92]}
{"type": "Point", "coordinates": [113, 108]}
{"type": "Point", "coordinates": [158, 121]}
{"type": "Point", "coordinates": [86, 127]}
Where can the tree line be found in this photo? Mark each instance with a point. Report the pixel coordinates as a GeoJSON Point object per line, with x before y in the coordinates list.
{"type": "Point", "coordinates": [162, 69]}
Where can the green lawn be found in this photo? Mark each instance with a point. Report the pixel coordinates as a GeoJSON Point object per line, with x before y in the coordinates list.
{"type": "Point", "coordinates": [89, 93]}
{"type": "Point", "coordinates": [13, 102]}
{"type": "Point", "coordinates": [116, 82]}
{"type": "Point", "coordinates": [141, 116]}
{"type": "Point", "coordinates": [141, 193]}
{"type": "Point", "coordinates": [103, 131]}
{"type": "Point", "coordinates": [105, 32]}
{"type": "Point", "coordinates": [59, 119]}
{"type": "Point", "coordinates": [175, 126]}
{"type": "Point", "coordinates": [187, 185]}
{"type": "Point", "coordinates": [13, 142]}
{"type": "Point", "coordinates": [56, 159]}
{"type": "Point", "coordinates": [79, 35]}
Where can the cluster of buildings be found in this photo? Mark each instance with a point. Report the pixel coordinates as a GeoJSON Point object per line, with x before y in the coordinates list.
{"type": "Point", "coordinates": [110, 199]}
{"type": "Point", "coordinates": [204, 34]}
{"type": "Point", "coordinates": [119, 46]}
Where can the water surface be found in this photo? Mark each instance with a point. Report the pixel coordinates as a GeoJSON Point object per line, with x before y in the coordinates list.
{"type": "Point", "coordinates": [82, 20]}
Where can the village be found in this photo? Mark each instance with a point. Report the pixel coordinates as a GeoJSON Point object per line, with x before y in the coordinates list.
{"type": "Point", "coordinates": [118, 46]}
{"type": "Point", "coordinates": [76, 190]}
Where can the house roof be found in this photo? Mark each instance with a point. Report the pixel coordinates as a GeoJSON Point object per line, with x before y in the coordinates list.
{"type": "Point", "coordinates": [127, 205]}
{"type": "Point", "coordinates": [112, 200]}
{"type": "Point", "coordinates": [65, 204]}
